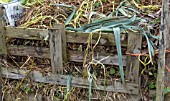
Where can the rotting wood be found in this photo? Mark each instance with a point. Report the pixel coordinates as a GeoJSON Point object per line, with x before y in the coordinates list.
{"type": "Point", "coordinates": [39, 52]}
{"type": "Point", "coordinates": [61, 29]}
{"type": "Point", "coordinates": [167, 60]}
{"type": "Point", "coordinates": [111, 85]}
{"type": "Point", "coordinates": [132, 66]}
{"type": "Point", "coordinates": [3, 48]}
{"type": "Point", "coordinates": [162, 48]}
{"type": "Point", "coordinates": [106, 38]}
{"type": "Point", "coordinates": [74, 56]}
{"type": "Point", "coordinates": [77, 56]}
{"type": "Point", "coordinates": [71, 37]}
{"type": "Point", "coordinates": [56, 51]}
{"type": "Point", "coordinates": [27, 33]}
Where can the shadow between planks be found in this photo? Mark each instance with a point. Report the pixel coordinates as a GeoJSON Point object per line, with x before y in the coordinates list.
{"type": "Point", "coordinates": [75, 56]}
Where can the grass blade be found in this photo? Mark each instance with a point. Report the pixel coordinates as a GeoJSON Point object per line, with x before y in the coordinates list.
{"type": "Point", "coordinates": [90, 87]}
{"type": "Point", "coordinates": [71, 15]}
{"type": "Point", "coordinates": [118, 46]}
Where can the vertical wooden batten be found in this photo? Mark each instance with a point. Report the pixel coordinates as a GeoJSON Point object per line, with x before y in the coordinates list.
{"type": "Point", "coordinates": [167, 56]}
{"type": "Point", "coordinates": [3, 49]}
{"type": "Point", "coordinates": [132, 64]}
{"type": "Point", "coordinates": [61, 29]}
{"type": "Point", "coordinates": [56, 50]}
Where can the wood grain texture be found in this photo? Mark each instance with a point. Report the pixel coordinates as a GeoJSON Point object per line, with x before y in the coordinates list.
{"type": "Point", "coordinates": [61, 29]}
{"type": "Point", "coordinates": [3, 49]}
{"type": "Point", "coordinates": [74, 56]}
{"type": "Point", "coordinates": [167, 56]}
{"type": "Point", "coordinates": [71, 37]}
{"type": "Point", "coordinates": [111, 85]}
{"type": "Point", "coordinates": [56, 51]}
{"type": "Point", "coordinates": [132, 66]}
{"type": "Point", "coordinates": [26, 33]}
{"type": "Point", "coordinates": [106, 38]}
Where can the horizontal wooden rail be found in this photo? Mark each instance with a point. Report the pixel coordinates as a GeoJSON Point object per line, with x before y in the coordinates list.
{"type": "Point", "coordinates": [111, 85]}
{"type": "Point", "coordinates": [71, 37]}
{"type": "Point", "coordinates": [80, 37]}
{"type": "Point", "coordinates": [26, 33]}
{"type": "Point", "coordinates": [75, 56]}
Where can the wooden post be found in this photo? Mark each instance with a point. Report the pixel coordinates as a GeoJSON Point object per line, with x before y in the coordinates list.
{"type": "Point", "coordinates": [167, 60]}
{"type": "Point", "coordinates": [132, 65]}
{"type": "Point", "coordinates": [3, 49]}
{"type": "Point", "coordinates": [61, 29]}
{"type": "Point", "coordinates": [56, 50]}
{"type": "Point", "coordinates": [162, 47]}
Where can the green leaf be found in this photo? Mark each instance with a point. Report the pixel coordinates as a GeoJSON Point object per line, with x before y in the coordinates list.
{"type": "Point", "coordinates": [166, 90]}
{"type": "Point", "coordinates": [68, 85]}
{"type": "Point", "coordinates": [4, 1]}
{"type": "Point", "coordinates": [118, 46]}
{"type": "Point", "coordinates": [151, 85]}
{"type": "Point", "coordinates": [68, 82]}
{"type": "Point", "coordinates": [121, 4]}
{"type": "Point", "coordinates": [24, 2]}
{"type": "Point", "coordinates": [90, 88]}
{"type": "Point", "coordinates": [97, 4]}
{"type": "Point", "coordinates": [112, 71]}
{"type": "Point", "coordinates": [95, 13]}
{"type": "Point", "coordinates": [104, 0]}
{"type": "Point", "coordinates": [70, 17]}
{"type": "Point", "coordinates": [123, 12]}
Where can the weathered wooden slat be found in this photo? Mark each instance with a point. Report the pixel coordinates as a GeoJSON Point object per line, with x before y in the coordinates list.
{"type": "Point", "coordinates": [26, 33]}
{"type": "Point", "coordinates": [3, 49]}
{"type": "Point", "coordinates": [75, 56]}
{"type": "Point", "coordinates": [61, 29]}
{"type": "Point", "coordinates": [111, 85]}
{"type": "Point", "coordinates": [132, 67]}
{"type": "Point", "coordinates": [167, 56]}
{"type": "Point", "coordinates": [72, 37]}
{"type": "Point", "coordinates": [106, 38]}
{"type": "Point", "coordinates": [39, 52]}
{"type": "Point", "coordinates": [56, 51]}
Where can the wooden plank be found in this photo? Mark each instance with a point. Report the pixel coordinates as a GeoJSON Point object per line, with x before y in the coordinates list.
{"type": "Point", "coordinates": [167, 63]}
{"type": "Point", "coordinates": [111, 85]}
{"type": "Point", "coordinates": [72, 37]}
{"type": "Point", "coordinates": [27, 33]}
{"type": "Point", "coordinates": [56, 51]}
{"type": "Point", "coordinates": [61, 29]}
{"type": "Point", "coordinates": [39, 52]}
{"type": "Point", "coordinates": [167, 60]}
{"type": "Point", "coordinates": [77, 56]}
{"type": "Point", "coordinates": [164, 32]}
{"type": "Point", "coordinates": [3, 49]}
{"type": "Point", "coordinates": [106, 38]}
{"type": "Point", "coordinates": [74, 56]}
{"type": "Point", "coordinates": [132, 66]}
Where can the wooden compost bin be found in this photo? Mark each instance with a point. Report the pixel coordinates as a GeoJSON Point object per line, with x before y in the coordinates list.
{"type": "Point", "coordinates": [58, 38]}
